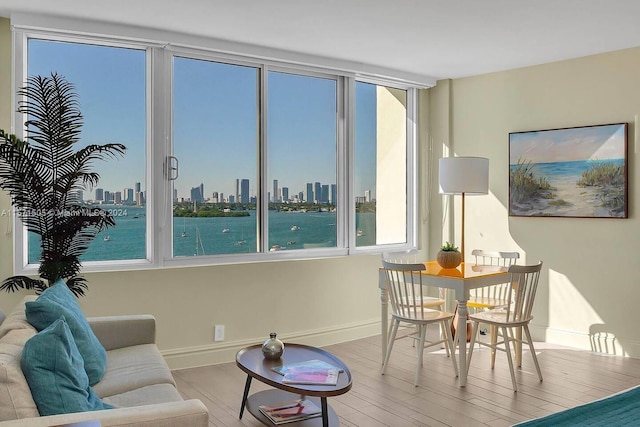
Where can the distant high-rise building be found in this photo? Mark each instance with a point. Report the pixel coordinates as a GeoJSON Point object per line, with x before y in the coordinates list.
{"type": "Point", "coordinates": [334, 194]}
{"type": "Point", "coordinates": [127, 195]}
{"type": "Point", "coordinates": [275, 190]}
{"type": "Point", "coordinates": [118, 197]}
{"type": "Point", "coordinates": [137, 187]}
{"type": "Point", "coordinates": [309, 192]}
{"type": "Point", "coordinates": [197, 195]}
{"type": "Point", "coordinates": [215, 197]}
{"type": "Point", "coordinates": [285, 194]}
{"type": "Point", "coordinates": [244, 191]}
{"type": "Point", "coordinates": [325, 193]}
{"type": "Point", "coordinates": [317, 191]}
{"type": "Point", "coordinates": [108, 197]}
{"type": "Point", "coordinates": [99, 194]}
{"type": "Point", "coordinates": [232, 199]}
{"type": "Point", "coordinates": [237, 192]}
{"type": "Point", "coordinates": [175, 194]}
{"type": "Point", "coordinates": [76, 196]}
{"type": "Point", "coordinates": [367, 196]}
{"type": "Point", "coordinates": [300, 196]}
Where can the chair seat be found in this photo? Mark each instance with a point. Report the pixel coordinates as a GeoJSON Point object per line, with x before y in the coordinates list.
{"type": "Point", "coordinates": [498, 318]}
{"type": "Point", "coordinates": [425, 316]}
{"type": "Point", "coordinates": [483, 303]}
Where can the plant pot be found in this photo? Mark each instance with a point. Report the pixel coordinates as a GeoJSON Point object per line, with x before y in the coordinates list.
{"type": "Point", "coordinates": [449, 259]}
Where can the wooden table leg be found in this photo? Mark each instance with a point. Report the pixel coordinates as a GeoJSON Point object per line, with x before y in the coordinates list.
{"type": "Point", "coordinates": [247, 385]}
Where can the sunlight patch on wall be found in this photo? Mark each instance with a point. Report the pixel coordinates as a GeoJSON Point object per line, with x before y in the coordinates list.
{"type": "Point", "coordinates": [571, 314]}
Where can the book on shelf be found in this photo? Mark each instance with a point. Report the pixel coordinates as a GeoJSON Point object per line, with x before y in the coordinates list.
{"type": "Point", "coordinates": [315, 363]}
{"type": "Point", "coordinates": [291, 411]}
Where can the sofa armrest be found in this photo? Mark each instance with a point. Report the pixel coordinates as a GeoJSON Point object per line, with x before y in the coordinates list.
{"type": "Point", "coordinates": [188, 413]}
{"type": "Point", "coordinates": [124, 331]}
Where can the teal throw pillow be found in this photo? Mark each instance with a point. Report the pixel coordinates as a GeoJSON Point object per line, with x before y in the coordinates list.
{"type": "Point", "coordinates": [54, 370]}
{"type": "Point", "coordinates": [57, 301]}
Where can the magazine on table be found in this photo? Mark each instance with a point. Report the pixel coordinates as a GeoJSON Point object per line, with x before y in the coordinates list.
{"type": "Point", "coordinates": [290, 411]}
{"type": "Point", "coordinates": [313, 376]}
{"type": "Point", "coordinates": [315, 363]}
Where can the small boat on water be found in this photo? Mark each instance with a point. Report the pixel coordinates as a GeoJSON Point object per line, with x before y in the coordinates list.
{"type": "Point", "coordinates": [183, 234]}
{"type": "Point", "coordinates": [295, 228]}
{"type": "Point", "coordinates": [275, 248]}
{"type": "Point", "coordinates": [359, 233]}
{"type": "Point", "coordinates": [225, 230]}
{"type": "Point", "coordinates": [107, 238]}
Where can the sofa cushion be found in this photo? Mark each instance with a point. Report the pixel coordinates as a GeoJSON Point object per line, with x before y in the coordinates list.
{"type": "Point", "coordinates": [148, 395]}
{"type": "Point", "coordinates": [15, 396]}
{"type": "Point", "coordinates": [57, 301]}
{"type": "Point", "coordinates": [55, 372]}
{"type": "Point", "coordinates": [133, 367]}
{"type": "Point", "coordinates": [17, 318]}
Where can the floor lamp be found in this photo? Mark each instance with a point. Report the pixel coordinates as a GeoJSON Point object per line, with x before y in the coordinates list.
{"type": "Point", "coordinates": [465, 176]}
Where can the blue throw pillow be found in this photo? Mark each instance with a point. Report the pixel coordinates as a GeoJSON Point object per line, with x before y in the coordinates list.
{"type": "Point", "coordinates": [57, 301]}
{"type": "Point", "coordinates": [54, 370]}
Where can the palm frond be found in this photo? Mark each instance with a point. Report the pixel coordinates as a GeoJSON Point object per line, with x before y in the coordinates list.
{"type": "Point", "coordinates": [41, 172]}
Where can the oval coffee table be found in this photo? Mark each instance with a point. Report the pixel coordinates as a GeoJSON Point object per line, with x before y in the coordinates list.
{"type": "Point", "coordinates": [251, 361]}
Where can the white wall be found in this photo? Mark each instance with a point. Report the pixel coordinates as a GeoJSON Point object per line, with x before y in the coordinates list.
{"type": "Point", "coordinates": [589, 290]}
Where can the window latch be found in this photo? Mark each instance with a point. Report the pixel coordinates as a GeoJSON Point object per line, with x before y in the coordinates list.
{"type": "Point", "coordinates": [172, 168]}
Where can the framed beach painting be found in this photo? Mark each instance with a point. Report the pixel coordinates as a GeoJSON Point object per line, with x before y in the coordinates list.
{"type": "Point", "coordinates": [578, 172]}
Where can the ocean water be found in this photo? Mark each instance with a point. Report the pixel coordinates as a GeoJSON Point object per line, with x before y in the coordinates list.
{"type": "Point", "coordinates": [560, 172]}
{"type": "Point", "coordinates": [213, 236]}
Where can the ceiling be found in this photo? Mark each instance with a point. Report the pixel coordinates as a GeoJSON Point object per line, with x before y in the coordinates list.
{"type": "Point", "coordinates": [435, 38]}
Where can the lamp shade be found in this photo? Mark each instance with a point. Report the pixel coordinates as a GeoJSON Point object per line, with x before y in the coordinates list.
{"type": "Point", "coordinates": [468, 175]}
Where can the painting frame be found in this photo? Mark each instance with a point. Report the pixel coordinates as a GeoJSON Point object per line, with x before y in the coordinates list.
{"type": "Point", "coordinates": [572, 172]}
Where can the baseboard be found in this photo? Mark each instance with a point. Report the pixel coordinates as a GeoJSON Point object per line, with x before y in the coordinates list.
{"type": "Point", "coordinates": [599, 340]}
{"type": "Point", "coordinates": [223, 352]}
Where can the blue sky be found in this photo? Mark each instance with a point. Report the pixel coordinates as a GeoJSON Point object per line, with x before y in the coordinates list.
{"type": "Point", "coordinates": [215, 120]}
{"type": "Point", "coordinates": [585, 143]}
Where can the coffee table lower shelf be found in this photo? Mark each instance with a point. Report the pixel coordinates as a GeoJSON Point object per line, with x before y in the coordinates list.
{"type": "Point", "coordinates": [270, 397]}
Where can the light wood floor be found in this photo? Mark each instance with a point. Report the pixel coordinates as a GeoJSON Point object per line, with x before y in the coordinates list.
{"type": "Point", "coordinates": [571, 377]}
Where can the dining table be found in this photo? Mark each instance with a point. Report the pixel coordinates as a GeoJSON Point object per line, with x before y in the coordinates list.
{"type": "Point", "coordinates": [461, 280]}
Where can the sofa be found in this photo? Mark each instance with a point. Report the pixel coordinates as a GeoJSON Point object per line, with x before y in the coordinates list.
{"type": "Point", "coordinates": [137, 383]}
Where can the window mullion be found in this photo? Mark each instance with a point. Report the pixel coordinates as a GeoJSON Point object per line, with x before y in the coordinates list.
{"type": "Point", "coordinates": [262, 202]}
{"type": "Point", "coordinates": [159, 143]}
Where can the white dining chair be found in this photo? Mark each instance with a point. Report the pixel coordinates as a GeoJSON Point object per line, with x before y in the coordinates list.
{"type": "Point", "coordinates": [406, 293]}
{"type": "Point", "coordinates": [517, 314]}
{"type": "Point", "coordinates": [491, 297]}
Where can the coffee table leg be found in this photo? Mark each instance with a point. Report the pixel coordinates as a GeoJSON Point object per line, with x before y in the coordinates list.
{"type": "Point", "coordinates": [325, 412]}
{"type": "Point", "coordinates": [246, 393]}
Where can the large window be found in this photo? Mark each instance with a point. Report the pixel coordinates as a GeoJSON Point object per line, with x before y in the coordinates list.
{"type": "Point", "coordinates": [111, 87]}
{"type": "Point", "coordinates": [302, 141]}
{"type": "Point", "coordinates": [215, 141]}
{"type": "Point", "coordinates": [380, 165]}
{"type": "Point", "coordinates": [232, 158]}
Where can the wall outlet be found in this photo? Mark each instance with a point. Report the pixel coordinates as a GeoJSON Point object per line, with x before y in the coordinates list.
{"type": "Point", "coordinates": [219, 333]}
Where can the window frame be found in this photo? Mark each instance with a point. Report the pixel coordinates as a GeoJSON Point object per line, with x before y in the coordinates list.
{"type": "Point", "coordinates": [159, 116]}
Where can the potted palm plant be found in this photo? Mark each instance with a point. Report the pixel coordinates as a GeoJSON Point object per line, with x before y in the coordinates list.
{"type": "Point", "coordinates": [43, 175]}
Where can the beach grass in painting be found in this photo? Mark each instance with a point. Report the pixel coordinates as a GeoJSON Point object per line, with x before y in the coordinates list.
{"type": "Point", "coordinates": [573, 172]}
